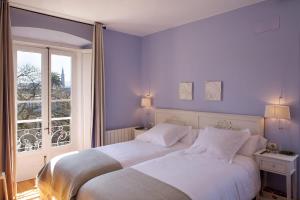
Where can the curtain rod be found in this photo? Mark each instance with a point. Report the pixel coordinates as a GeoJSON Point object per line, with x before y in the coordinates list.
{"type": "Point", "coordinates": [90, 24]}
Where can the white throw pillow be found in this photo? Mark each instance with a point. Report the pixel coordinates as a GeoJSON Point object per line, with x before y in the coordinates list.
{"type": "Point", "coordinates": [164, 134]}
{"type": "Point", "coordinates": [191, 137]}
{"type": "Point", "coordinates": [262, 143]}
{"type": "Point", "coordinates": [199, 140]}
{"type": "Point", "coordinates": [252, 145]}
{"type": "Point", "coordinates": [220, 143]}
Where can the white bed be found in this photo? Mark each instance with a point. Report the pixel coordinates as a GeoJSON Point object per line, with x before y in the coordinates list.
{"type": "Point", "coordinates": [202, 177]}
{"type": "Point", "coordinates": [135, 151]}
{"type": "Point", "coordinates": [62, 176]}
{"type": "Point", "coordinates": [198, 175]}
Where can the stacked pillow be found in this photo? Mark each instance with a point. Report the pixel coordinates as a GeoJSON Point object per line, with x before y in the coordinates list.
{"type": "Point", "coordinates": [191, 137]}
{"type": "Point", "coordinates": [224, 144]}
{"type": "Point", "coordinates": [252, 145]}
{"type": "Point", "coordinates": [165, 134]}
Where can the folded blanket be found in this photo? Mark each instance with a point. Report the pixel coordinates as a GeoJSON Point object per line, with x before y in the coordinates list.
{"type": "Point", "coordinates": [62, 177]}
{"type": "Point", "coordinates": [128, 184]}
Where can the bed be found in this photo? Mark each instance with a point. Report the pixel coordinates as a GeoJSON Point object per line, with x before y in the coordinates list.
{"type": "Point", "coordinates": [188, 176]}
{"type": "Point", "coordinates": [63, 175]}
{"type": "Point", "coordinates": [184, 175]}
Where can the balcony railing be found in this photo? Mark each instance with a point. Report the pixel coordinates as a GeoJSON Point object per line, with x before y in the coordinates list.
{"type": "Point", "coordinates": [60, 135]}
{"type": "Point", "coordinates": [31, 139]}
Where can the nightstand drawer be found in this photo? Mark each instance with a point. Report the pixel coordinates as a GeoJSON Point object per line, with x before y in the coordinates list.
{"type": "Point", "coordinates": [272, 165]}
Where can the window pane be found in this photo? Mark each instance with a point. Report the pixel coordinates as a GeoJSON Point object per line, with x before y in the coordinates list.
{"type": "Point", "coordinates": [29, 136]}
{"type": "Point", "coordinates": [61, 77]}
{"type": "Point", "coordinates": [61, 67]}
{"type": "Point", "coordinates": [28, 75]}
{"type": "Point", "coordinates": [60, 132]}
{"type": "Point", "coordinates": [61, 109]}
{"type": "Point", "coordinates": [28, 111]}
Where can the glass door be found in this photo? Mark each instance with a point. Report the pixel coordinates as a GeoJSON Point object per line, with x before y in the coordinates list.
{"type": "Point", "coordinates": [43, 105]}
{"type": "Point", "coordinates": [60, 102]}
{"type": "Point", "coordinates": [31, 107]}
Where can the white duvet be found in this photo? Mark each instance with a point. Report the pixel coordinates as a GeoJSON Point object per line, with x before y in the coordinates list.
{"type": "Point", "coordinates": [135, 151]}
{"type": "Point", "coordinates": [204, 178]}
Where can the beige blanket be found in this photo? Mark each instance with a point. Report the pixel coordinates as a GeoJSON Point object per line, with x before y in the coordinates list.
{"type": "Point", "coordinates": [128, 184]}
{"type": "Point", "coordinates": [62, 177]}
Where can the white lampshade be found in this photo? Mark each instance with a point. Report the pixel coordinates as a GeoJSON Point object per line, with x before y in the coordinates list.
{"type": "Point", "coordinates": [277, 111]}
{"type": "Point", "coordinates": [146, 102]}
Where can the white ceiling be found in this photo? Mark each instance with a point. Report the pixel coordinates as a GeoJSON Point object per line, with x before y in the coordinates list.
{"type": "Point", "coordinates": [137, 17]}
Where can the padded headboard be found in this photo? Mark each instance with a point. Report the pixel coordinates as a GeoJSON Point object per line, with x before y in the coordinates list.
{"type": "Point", "coordinates": [204, 119]}
{"type": "Point", "coordinates": [189, 118]}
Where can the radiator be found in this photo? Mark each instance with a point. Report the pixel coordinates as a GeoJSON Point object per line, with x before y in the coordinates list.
{"type": "Point", "coordinates": [119, 135]}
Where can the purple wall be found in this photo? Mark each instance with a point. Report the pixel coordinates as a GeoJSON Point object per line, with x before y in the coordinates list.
{"type": "Point", "coordinates": [122, 53]}
{"type": "Point", "coordinates": [254, 67]}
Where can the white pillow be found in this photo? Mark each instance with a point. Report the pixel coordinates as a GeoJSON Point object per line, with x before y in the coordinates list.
{"type": "Point", "coordinates": [220, 143]}
{"type": "Point", "coordinates": [250, 146]}
{"type": "Point", "coordinates": [164, 134]}
{"type": "Point", "coordinates": [191, 137]}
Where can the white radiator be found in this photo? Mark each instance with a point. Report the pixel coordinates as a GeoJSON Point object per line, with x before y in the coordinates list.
{"type": "Point", "coordinates": [119, 135]}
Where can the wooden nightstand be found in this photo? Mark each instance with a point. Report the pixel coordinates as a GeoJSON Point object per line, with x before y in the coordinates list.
{"type": "Point", "coordinates": [138, 131]}
{"type": "Point", "coordinates": [280, 164]}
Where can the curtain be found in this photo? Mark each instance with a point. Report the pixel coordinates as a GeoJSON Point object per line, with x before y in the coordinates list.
{"type": "Point", "coordinates": [7, 101]}
{"type": "Point", "coordinates": [98, 126]}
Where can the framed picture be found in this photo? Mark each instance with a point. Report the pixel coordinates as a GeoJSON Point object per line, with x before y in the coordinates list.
{"type": "Point", "coordinates": [186, 91]}
{"type": "Point", "coordinates": [213, 90]}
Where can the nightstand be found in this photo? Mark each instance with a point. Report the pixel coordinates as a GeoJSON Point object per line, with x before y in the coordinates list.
{"type": "Point", "coordinates": [279, 164]}
{"type": "Point", "coordinates": [138, 131]}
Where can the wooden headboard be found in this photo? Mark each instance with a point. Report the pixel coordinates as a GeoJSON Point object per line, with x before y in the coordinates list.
{"type": "Point", "coordinates": [204, 119]}
{"type": "Point", "coordinates": [231, 121]}
{"type": "Point", "coordinates": [188, 118]}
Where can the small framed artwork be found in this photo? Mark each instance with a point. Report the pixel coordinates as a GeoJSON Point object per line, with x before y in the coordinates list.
{"type": "Point", "coordinates": [186, 91]}
{"type": "Point", "coordinates": [213, 90]}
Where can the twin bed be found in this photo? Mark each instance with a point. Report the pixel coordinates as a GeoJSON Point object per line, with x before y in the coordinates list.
{"type": "Point", "coordinates": [143, 170]}
{"type": "Point", "coordinates": [184, 176]}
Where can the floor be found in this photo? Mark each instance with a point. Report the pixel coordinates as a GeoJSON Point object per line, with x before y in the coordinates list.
{"type": "Point", "coordinates": [27, 190]}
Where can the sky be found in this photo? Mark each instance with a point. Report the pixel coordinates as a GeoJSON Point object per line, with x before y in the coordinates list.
{"type": "Point", "coordinates": [57, 63]}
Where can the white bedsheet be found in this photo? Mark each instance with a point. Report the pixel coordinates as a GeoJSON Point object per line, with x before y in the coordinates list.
{"type": "Point", "coordinates": [134, 151]}
{"type": "Point", "coordinates": [202, 177]}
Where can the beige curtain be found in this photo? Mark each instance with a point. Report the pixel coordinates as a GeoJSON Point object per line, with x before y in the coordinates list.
{"type": "Point", "coordinates": [98, 126]}
{"type": "Point", "coordinates": [7, 101]}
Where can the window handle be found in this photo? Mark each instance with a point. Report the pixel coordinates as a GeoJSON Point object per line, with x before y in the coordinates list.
{"type": "Point", "coordinates": [47, 129]}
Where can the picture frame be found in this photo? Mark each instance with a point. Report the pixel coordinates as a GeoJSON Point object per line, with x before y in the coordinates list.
{"type": "Point", "coordinates": [185, 91]}
{"type": "Point", "coordinates": [213, 90]}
